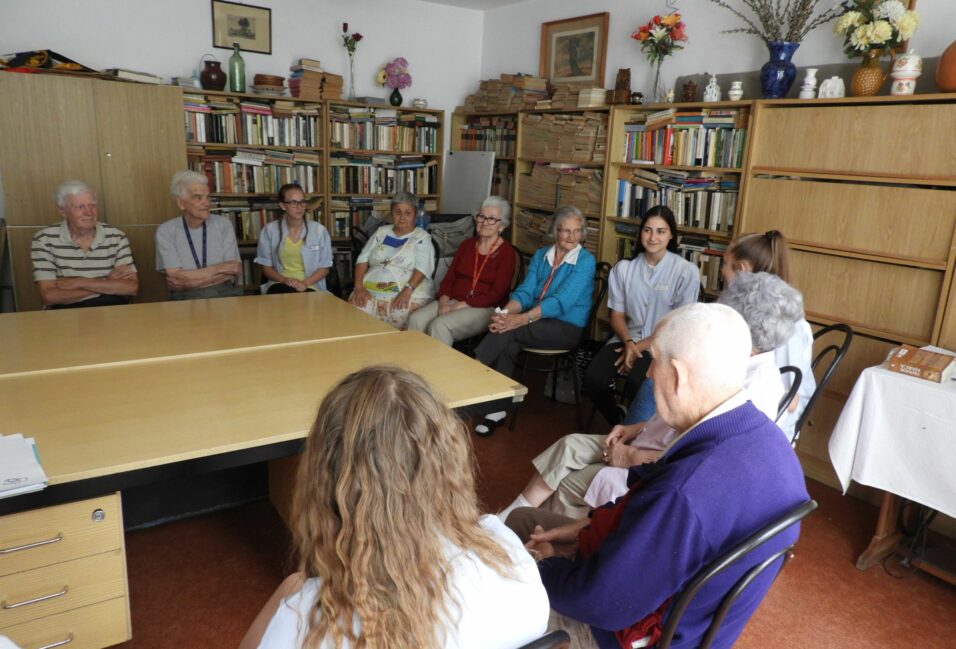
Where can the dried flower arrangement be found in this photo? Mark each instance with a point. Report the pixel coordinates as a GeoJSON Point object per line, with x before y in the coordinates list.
{"type": "Point", "coordinates": [776, 20]}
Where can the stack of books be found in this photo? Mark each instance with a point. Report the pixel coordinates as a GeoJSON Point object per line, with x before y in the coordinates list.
{"type": "Point", "coordinates": [20, 470]}
{"type": "Point", "coordinates": [574, 138]}
{"type": "Point", "coordinates": [307, 80]}
{"type": "Point", "coordinates": [133, 75]}
{"type": "Point", "coordinates": [510, 92]}
{"type": "Point", "coordinates": [563, 97]}
{"type": "Point", "coordinates": [592, 97]}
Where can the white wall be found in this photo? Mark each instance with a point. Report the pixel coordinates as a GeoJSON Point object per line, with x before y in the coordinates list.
{"type": "Point", "coordinates": [168, 37]}
{"type": "Point", "coordinates": [512, 35]}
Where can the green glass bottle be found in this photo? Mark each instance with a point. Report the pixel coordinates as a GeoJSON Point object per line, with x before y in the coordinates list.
{"type": "Point", "coordinates": [237, 70]}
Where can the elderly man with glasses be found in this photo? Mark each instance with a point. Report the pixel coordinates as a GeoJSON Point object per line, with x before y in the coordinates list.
{"type": "Point", "coordinates": [197, 251]}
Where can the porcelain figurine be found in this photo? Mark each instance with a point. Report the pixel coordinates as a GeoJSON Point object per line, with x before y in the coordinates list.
{"type": "Point", "coordinates": [906, 70]}
{"type": "Point", "coordinates": [832, 88]}
{"type": "Point", "coordinates": [809, 88]}
{"type": "Point", "coordinates": [736, 91]}
{"type": "Point", "coordinates": [712, 91]}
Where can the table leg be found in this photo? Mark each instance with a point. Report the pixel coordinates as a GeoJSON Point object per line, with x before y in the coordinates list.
{"type": "Point", "coordinates": [886, 536]}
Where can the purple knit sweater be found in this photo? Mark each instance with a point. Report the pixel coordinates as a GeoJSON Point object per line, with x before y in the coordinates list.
{"type": "Point", "coordinates": [727, 478]}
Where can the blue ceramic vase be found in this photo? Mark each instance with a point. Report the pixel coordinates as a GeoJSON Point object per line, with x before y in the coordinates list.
{"type": "Point", "coordinates": [777, 74]}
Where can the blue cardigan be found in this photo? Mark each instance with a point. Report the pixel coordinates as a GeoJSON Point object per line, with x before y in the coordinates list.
{"type": "Point", "coordinates": [569, 296]}
{"type": "Point", "coordinates": [727, 478]}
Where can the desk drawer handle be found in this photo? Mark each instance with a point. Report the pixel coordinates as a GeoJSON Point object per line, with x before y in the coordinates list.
{"type": "Point", "coordinates": [68, 640]}
{"type": "Point", "coordinates": [55, 539]}
{"type": "Point", "coordinates": [7, 607]}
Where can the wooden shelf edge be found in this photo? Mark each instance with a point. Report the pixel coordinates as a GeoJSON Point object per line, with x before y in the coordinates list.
{"type": "Point", "coordinates": [911, 262]}
{"type": "Point", "coordinates": [266, 147]}
{"type": "Point", "coordinates": [561, 162]}
{"type": "Point", "coordinates": [654, 165]}
{"type": "Point", "coordinates": [887, 335]}
{"type": "Point", "coordinates": [825, 174]}
{"type": "Point", "coordinates": [382, 152]}
{"type": "Point", "coordinates": [855, 101]}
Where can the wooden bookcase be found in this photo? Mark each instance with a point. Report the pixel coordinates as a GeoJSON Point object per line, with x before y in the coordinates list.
{"type": "Point", "coordinates": [123, 139]}
{"type": "Point", "coordinates": [486, 131]}
{"type": "Point", "coordinates": [690, 158]}
{"type": "Point", "coordinates": [865, 189]}
{"type": "Point", "coordinates": [561, 156]}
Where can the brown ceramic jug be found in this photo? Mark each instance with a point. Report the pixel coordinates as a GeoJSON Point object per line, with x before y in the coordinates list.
{"type": "Point", "coordinates": [212, 77]}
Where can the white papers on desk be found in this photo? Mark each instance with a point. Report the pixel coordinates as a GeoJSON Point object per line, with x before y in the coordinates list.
{"type": "Point", "coordinates": [20, 470]}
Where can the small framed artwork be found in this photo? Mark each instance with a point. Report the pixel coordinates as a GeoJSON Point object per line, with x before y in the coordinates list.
{"type": "Point", "coordinates": [247, 25]}
{"type": "Point", "coordinates": [573, 50]}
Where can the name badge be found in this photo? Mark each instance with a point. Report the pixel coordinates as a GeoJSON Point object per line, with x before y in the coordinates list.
{"type": "Point", "coordinates": [662, 287]}
{"type": "Point", "coordinates": [315, 248]}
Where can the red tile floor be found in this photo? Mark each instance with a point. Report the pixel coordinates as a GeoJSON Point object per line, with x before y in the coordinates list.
{"type": "Point", "coordinates": [197, 583]}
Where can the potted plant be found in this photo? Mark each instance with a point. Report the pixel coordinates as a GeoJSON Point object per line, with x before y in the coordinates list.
{"type": "Point", "coordinates": [871, 29]}
{"type": "Point", "coordinates": [782, 26]}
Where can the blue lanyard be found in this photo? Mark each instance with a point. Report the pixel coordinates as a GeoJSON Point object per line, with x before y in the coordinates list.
{"type": "Point", "coordinates": [192, 248]}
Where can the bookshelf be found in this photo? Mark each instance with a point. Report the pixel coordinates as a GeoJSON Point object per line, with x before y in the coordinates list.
{"type": "Point", "coordinates": [869, 206]}
{"type": "Point", "coordinates": [560, 160]}
{"type": "Point", "coordinates": [484, 131]}
{"type": "Point", "coordinates": [688, 156]}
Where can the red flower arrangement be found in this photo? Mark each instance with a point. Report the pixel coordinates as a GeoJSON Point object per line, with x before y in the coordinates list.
{"type": "Point", "coordinates": [350, 41]}
{"type": "Point", "coordinates": [661, 36]}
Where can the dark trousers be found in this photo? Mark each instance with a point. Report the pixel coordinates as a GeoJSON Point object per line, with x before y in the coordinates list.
{"type": "Point", "coordinates": [599, 373]}
{"type": "Point", "coordinates": [500, 351]}
{"type": "Point", "coordinates": [100, 300]}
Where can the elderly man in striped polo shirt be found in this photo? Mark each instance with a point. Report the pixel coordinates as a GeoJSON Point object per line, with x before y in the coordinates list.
{"type": "Point", "coordinates": [80, 262]}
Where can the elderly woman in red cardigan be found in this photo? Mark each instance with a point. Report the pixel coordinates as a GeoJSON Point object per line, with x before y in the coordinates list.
{"type": "Point", "coordinates": [477, 281]}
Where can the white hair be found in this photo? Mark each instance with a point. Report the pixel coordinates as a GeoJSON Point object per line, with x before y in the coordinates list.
{"type": "Point", "coordinates": [711, 339]}
{"type": "Point", "coordinates": [503, 207]}
{"type": "Point", "coordinates": [183, 179]}
{"type": "Point", "coordinates": [769, 305]}
{"type": "Point", "coordinates": [71, 188]}
{"type": "Point", "coordinates": [565, 213]}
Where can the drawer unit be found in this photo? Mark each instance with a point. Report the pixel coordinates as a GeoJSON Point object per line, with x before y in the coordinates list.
{"type": "Point", "coordinates": [91, 627]}
{"type": "Point", "coordinates": [60, 533]}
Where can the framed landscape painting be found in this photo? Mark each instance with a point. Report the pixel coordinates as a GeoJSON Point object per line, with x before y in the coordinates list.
{"type": "Point", "coordinates": [247, 25]}
{"type": "Point", "coordinates": [573, 50]}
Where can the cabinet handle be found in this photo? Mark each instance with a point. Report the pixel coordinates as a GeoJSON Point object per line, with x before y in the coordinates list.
{"type": "Point", "coordinates": [68, 640]}
{"type": "Point", "coordinates": [7, 607]}
{"type": "Point", "coordinates": [55, 539]}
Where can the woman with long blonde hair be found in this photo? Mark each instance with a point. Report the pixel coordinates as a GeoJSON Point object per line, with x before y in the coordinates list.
{"type": "Point", "coordinates": [392, 549]}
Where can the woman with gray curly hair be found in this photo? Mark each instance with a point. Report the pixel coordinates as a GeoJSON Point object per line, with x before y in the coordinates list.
{"type": "Point", "coordinates": [477, 281]}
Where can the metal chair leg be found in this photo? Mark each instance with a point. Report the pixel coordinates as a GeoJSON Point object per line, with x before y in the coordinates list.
{"type": "Point", "coordinates": [524, 370]}
{"type": "Point", "coordinates": [577, 390]}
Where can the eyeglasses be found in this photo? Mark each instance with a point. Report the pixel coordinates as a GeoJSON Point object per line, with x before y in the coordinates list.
{"type": "Point", "coordinates": [570, 233]}
{"type": "Point", "coordinates": [295, 203]}
{"type": "Point", "coordinates": [481, 218]}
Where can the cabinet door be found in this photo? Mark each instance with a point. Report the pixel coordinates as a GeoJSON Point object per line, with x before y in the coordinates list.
{"type": "Point", "coordinates": [141, 145]}
{"type": "Point", "coordinates": [47, 135]}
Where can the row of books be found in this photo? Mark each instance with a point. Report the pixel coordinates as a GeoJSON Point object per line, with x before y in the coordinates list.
{"type": "Point", "coordinates": [509, 92]}
{"type": "Point", "coordinates": [248, 176]}
{"type": "Point", "coordinates": [709, 210]}
{"type": "Point", "coordinates": [708, 256]}
{"type": "Point", "coordinates": [355, 211]}
{"type": "Point", "coordinates": [498, 134]}
{"type": "Point", "coordinates": [502, 180]}
{"type": "Point", "coordinates": [554, 136]}
{"type": "Point", "coordinates": [231, 121]}
{"type": "Point", "coordinates": [383, 129]}
{"type": "Point", "coordinates": [382, 175]}
{"type": "Point", "coordinates": [692, 138]}
{"type": "Point", "coordinates": [548, 186]}
{"type": "Point", "coordinates": [251, 215]}
{"type": "Point", "coordinates": [534, 231]}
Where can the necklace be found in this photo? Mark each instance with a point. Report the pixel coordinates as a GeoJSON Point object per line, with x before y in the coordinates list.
{"type": "Point", "coordinates": [476, 271]}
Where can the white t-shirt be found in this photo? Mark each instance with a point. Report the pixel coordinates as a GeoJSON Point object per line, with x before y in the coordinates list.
{"type": "Point", "coordinates": [496, 612]}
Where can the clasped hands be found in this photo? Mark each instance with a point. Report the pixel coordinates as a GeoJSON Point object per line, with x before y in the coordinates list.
{"type": "Point", "coordinates": [559, 541]}
{"type": "Point", "coordinates": [629, 353]}
{"type": "Point", "coordinates": [502, 322]}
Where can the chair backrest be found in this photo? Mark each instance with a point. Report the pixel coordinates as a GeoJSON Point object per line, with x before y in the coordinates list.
{"type": "Point", "coordinates": [332, 283]}
{"type": "Point", "coordinates": [555, 640]}
{"type": "Point", "coordinates": [518, 275]}
{"type": "Point", "coordinates": [437, 249]}
{"type": "Point", "coordinates": [838, 351]}
{"type": "Point", "coordinates": [789, 394]}
{"type": "Point", "coordinates": [601, 273]}
{"type": "Point", "coordinates": [683, 600]}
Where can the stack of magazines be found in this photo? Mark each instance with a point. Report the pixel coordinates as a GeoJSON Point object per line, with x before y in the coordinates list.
{"type": "Point", "coordinates": [20, 470]}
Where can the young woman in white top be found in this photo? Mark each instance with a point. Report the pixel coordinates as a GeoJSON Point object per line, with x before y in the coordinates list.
{"type": "Point", "coordinates": [294, 254]}
{"type": "Point", "coordinates": [392, 550]}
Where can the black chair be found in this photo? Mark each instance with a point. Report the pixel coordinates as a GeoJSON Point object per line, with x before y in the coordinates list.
{"type": "Point", "coordinates": [838, 351]}
{"type": "Point", "coordinates": [789, 394]}
{"type": "Point", "coordinates": [564, 359]}
{"type": "Point", "coordinates": [683, 600]}
{"type": "Point", "coordinates": [333, 284]}
{"type": "Point", "coordinates": [555, 640]}
{"type": "Point", "coordinates": [437, 250]}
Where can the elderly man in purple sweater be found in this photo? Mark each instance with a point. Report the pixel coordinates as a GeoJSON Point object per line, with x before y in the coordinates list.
{"type": "Point", "coordinates": [728, 473]}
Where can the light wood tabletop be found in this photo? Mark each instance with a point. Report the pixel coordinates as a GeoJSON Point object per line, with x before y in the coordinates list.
{"type": "Point", "coordinates": [97, 421]}
{"type": "Point", "coordinates": [37, 341]}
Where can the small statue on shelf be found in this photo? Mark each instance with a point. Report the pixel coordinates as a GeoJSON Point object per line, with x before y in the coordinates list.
{"type": "Point", "coordinates": [688, 91]}
{"type": "Point", "coordinates": [809, 88]}
{"type": "Point", "coordinates": [712, 91]}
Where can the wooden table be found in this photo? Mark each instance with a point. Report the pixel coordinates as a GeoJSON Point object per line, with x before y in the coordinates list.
{"type": "Point", "coordinates": [44, 340]}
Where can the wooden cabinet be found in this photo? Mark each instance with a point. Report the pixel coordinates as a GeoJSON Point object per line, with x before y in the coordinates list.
{"type": "Point", "coordinates": [123, 139]}
{"type": "Point", "coordinates": [63, 575]}
{"type": "Point", "coordinates": [865, 189]}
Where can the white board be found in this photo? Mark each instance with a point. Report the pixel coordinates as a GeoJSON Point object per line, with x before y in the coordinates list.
{"type": "Point", "coordinates": [467, 181]}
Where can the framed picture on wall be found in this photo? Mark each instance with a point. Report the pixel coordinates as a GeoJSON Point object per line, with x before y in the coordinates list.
{"type": "Point", "coordinates": [247, 25]}
{"type": "Point", "coordinates": [573, 50]}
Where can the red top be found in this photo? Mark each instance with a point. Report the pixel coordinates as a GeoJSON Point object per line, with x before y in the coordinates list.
{"type": "Point", "coordinates": [494, 278]}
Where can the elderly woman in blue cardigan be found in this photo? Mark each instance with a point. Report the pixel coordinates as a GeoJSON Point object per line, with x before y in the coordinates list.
{"type": "Point", "coordinates": [550, 307]}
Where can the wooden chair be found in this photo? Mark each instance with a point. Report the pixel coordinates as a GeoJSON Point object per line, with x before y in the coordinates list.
{"type": "Point", "coordinates": [683, 600]}
{"type": "Point", "coordinates": [555, 640]}
{"type": "Point", "coordinates": [838, 351]}
{"type": "Point", "coordinates": [564, 359]}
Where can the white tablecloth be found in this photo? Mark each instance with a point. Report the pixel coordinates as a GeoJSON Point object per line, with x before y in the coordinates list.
{"type": "Point", "coordinates": [898, 433]}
